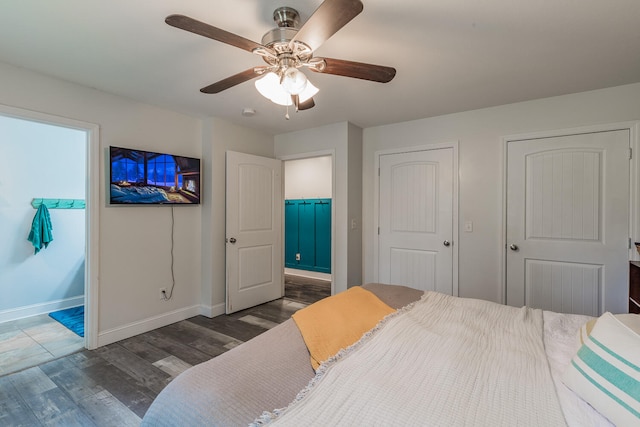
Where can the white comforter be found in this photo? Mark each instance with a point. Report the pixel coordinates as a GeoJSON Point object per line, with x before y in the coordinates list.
{"type": "Point", "coordinates": [445, 361]}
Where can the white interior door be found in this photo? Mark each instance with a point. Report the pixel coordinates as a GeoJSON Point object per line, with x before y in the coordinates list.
{"type": "Point", "coordinates": [253, 230]}
{"type": "Point", "coordinates": [568, 222]}
{"type": "Point", "coordinates": [415, 235]}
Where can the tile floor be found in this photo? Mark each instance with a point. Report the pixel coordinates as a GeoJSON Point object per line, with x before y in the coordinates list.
{"type": "Point", "coordinates": [34, 340]}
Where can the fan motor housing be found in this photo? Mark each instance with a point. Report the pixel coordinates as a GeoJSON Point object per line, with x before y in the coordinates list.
{"type": "Point", "coordinates": [279, 41]}
{"type": "Point", "coordinates": [286, 17]}
{"type": "Point", "coordinates": [280, 35]}
{"type": "Point", "coordinates": [279, 38]}
{"type": "Point", "coordinates": [287, 20]}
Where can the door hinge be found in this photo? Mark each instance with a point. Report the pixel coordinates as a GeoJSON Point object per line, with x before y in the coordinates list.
{"type": "Point", "coordinates": [630, 153]}
{"type": "Point", "coordinates": [378, 231]}
{"type": "Point", "coordinates": [378, 171]}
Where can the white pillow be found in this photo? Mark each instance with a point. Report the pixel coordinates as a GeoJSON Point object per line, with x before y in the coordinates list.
{"type": "Point", "coordinates": [606, 371]}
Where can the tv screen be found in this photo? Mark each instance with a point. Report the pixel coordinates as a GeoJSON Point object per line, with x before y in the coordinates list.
{"type": "Point", "coordinates": [145, 178]}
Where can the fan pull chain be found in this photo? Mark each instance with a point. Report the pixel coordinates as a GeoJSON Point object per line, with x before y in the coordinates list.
{"type": "Point", "coordinates": [286, 116]}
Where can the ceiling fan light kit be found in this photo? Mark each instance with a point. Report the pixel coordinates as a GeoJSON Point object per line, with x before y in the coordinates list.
{"type": "Point", "coordinates": [270, 87]}
{"type": "Point", "coordinates": [286, 49]}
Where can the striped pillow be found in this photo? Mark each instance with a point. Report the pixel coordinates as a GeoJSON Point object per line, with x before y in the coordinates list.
{"type": "Point", "coordinates": [606, 371]}
{"type": "Point", "coordinates": [630, 320]}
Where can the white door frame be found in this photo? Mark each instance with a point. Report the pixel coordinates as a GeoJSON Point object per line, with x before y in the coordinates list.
{"type": "Point", "coordinates": [92, 198]}
{"type": "Point", "coordinates": [309, 155]}
{"type": "Point", "coordinates": [376, 203]}
{"type": "Point", "coordinates": [634, 175]}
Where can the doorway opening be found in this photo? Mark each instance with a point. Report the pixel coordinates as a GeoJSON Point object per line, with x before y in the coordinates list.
{"type": "Point", "coordinates": [308, 231]}
{"type": "Point", "coordinates": [47, 159]}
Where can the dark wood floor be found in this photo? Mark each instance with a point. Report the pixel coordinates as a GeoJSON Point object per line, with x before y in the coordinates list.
{"type": "Point", "coordinates": [306, 290]}
{"type": "Point", "coordinates": [115, 384]}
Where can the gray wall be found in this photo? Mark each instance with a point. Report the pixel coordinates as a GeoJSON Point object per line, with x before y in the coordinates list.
{"type": "Point", "coordinates": [480, 135]}
{"type": "Point", "coordinates": [134, 242]}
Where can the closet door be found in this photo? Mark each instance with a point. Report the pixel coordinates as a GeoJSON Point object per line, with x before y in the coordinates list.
{"type": "Point", "coordinates": [568, 222]}
{"type": "Point", "coordinates": [415, 234]}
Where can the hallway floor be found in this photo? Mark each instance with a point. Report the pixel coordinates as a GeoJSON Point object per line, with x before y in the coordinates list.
{"type": "Point", "coordinates": [34, 340]}
{"type": "Point", "coordinates": [306, 289]}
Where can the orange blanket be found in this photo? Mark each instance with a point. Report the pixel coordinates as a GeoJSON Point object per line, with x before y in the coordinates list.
{"type": "Point", "coordinates": [338, 321]}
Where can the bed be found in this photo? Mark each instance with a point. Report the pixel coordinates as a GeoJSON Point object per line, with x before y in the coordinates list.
{"type": "Point", "coordinates": [270, 379]}
{"type": "Point", "coordinates": [137, 194]}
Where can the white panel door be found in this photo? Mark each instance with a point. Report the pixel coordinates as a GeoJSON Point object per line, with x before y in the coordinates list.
{"type": "Point", "coordinates": [253, 230]}
{"type": "Point", "coordinates": [415, 242]}
{"type": "Point", "coordinates": [568, 222]}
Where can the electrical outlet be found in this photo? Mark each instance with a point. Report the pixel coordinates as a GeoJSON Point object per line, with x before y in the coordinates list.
{"type": "Point", "coordinates": [163, 294]}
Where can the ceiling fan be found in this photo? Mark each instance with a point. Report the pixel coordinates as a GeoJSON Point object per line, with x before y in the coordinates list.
{"type": "Point", "coordinates": [286, 49]}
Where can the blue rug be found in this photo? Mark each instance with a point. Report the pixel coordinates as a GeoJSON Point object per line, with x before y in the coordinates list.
{"type": "Point", "coordinates": [72, 318]}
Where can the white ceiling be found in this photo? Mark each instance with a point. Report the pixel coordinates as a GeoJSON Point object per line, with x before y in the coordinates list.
{"type": "Point", "coordinates": [450, 55]}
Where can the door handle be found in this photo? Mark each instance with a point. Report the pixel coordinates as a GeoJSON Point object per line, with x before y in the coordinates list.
{"type": "Point", "coordinates": [232, 240]}
{"type": "Point", "coordinates": [446, 243]}
{"type": "Point", "coordinates": [513, 247]}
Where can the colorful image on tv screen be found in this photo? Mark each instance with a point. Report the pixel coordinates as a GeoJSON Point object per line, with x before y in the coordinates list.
{"type": "Point", "coordinates": [144, 177]}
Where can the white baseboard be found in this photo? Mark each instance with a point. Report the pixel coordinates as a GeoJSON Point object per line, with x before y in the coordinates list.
{"type": "Point", "coordinates": [146, 325]}
{"type": "Point", "coordinates": [37, 309]}
{"type": "Point", "coordinates": [306, 273]}
{"type": "Point", "coordinates": [212, 310]}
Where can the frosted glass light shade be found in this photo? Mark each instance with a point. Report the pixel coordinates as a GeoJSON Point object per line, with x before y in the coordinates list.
{"type": "Point", "coordinates": [294, 81]}
{"type": "Point", "coordinates": [309, 92]}
{"type": "Point", "coordinates": [269, 86]}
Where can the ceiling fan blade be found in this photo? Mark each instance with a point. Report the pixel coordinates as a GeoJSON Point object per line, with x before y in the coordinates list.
{"type": "Point", "coordinates": [328, 18]}
{"type": "Point", "coordinates": [358, 70]}
{"type": "Point", "coordinates": [193, 25]}
{"type": "Point", "coordinates": [236, 79]}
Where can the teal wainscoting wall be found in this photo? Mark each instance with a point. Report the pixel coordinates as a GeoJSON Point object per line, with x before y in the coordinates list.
{"type": "Point", "coordinates": [307, 236]}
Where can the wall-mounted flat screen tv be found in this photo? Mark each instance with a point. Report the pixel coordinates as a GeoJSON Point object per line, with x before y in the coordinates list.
{"type": "Point", "coordinates": [145, 178]}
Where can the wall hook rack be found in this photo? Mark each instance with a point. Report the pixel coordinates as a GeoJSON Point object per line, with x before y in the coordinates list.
{"type": "Point", "coordinates": [59, 203]}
